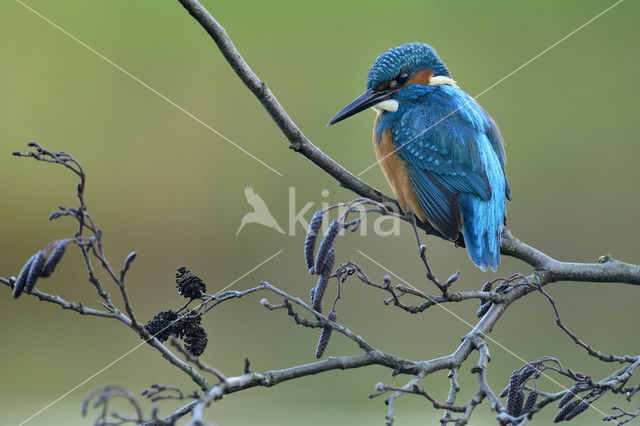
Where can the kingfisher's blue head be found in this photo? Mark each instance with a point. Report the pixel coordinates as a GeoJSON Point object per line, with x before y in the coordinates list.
{"type": "Point", "coordinates": [392, 74]}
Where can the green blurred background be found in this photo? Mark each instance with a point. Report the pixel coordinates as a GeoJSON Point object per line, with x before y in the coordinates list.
{"type": "Point", "coordinates": [162, 184]}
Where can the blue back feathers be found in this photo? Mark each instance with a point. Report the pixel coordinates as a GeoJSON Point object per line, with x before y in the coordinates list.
{"type": "Point", "coordinates": [453, 151]}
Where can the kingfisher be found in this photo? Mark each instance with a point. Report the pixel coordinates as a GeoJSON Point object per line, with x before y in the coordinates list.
{"type": "Point", "coordinates": [442, 154]}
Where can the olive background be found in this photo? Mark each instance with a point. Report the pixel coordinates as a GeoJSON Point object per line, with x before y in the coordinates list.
{"type": "Point", "coordinates": [162, 184]}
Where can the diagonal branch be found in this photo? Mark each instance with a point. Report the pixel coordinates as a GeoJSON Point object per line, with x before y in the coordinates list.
{"type": "Point", "coordinates": [608, 270]}
{"type": "Point", "coordinates": [547, 270]}
{"type": "Point", "coordinates": [299, 142]}
{"type": "Point", "coordinates": [471, 342]}
{"type": "Point", "coordinates": [274, 377]}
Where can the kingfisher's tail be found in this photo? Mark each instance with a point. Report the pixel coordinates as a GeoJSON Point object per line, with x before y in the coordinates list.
{"type": "Point", "coordinates": [483, 218]}
{"type": "Point", "coordinates": [482, 226]}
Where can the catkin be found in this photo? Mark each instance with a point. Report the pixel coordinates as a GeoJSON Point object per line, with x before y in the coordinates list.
{"type": "Point", "coordinates": [325, 335]}
{"type": "Point", "coordinates": [37, 262]}
{"type": "Point", "coordinates": [578, 409]}
{"type": "Point", "coordinates": [326, 245]}
{"type": "Point", "coordinates": [22, 279]}
{"type": "Point", "coordinates": [530, 402]}
{"type": "Point", "coordinates": [323, 281]}
{"type": "Point", "coordinates": [54, 259]}
{"type": "Point", "coordinates": [562, 413]}
{"type": "Point", "coordinates": [566, 398]}
{"type": "Point", "coordinates": [310, 239]}
{"type": "Point", "coordinates": [484, 308]}
{"type": "Point", "coordinates": [512, 395]}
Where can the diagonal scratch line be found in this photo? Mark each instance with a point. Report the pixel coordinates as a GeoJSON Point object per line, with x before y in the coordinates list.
{"type": "Point", "coordinates": [410, 285]}
{"type": "Point", "coordinates": [115, 361]}
{"type": "Point", "coordinates": [503, 347]}
{"type": "Point", "coordinates": [496, 83]}
{"type": "Point", "coordinates": [249, 271]}
{"type": "Point", "coordinates": [142, 83]}
{"type": "Point", "coordinates": [83, 382]}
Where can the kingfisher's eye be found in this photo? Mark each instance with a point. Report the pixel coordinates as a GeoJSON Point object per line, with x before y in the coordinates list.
{"type": "Point", "coordinates": [402, 78]}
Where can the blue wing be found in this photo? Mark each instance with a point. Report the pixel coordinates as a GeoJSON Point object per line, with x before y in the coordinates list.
{"type": "Point", "coordinates": [448, 158]}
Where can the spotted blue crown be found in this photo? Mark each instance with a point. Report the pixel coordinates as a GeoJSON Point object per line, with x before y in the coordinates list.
{"type": "Point", "coordinates": [406, 58]}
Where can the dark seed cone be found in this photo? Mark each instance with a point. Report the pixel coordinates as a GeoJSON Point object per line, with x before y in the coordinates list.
{"type": "Point", "coordinates": [310, 239]}
{"type": "Point", "coordinates": [323, 281]}
{"type": "Point", "coordinates": [22, 279]}
{"type": "Point", "coordinates": [195, 341]}
{"type": "Point", "coordinates": [54, 259]}
{"type": "Point", "coordinates": [484, 308]}
{"type": "Point", "coordinates": [530, 402]}
{"type": "Point", "coordinates": [325, 335]}
{"type": "Point", "coordinates": [37, 263]}
{"type": "Point", "coordinates": [189, 285]}
{"type": "Point", "coordinates": [187, 322]}
{"type": "Point", "coordinates": [487, 286]}
{"type": "Point", "coordinates": [512, 395]}
{"type": "Point", "coordinates": [566, 398]}
{"type": "Point", "coordinates": [326, 245]}
{"type": "Point", "coordinates": [579, 409]}
{"type": "Point", "coordinates": [560, 415]}
{"type": "Point", "coordinates": [162, 324]}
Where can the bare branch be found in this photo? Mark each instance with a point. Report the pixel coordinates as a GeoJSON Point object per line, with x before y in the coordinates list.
{"type": "Point", "coordinates": [623, 416]}
{"type": "Point", "coordinates": [607, 270]}
{"type": "Point", "coordinates": [299, 142]}
{"type": "Point", "coordinates": [159, 392]}
{"type": "Point", "coordinates": [102, 398]}
{"type": "Point", "coordinates": [493, 302]}
{"type": "Point", "coordinates": [198, 363]}
{"type": "Point", "coordinates": [576, 339]}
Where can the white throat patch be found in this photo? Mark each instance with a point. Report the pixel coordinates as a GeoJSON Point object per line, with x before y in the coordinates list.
{"type": "Point", "coordinates": [388, 105]}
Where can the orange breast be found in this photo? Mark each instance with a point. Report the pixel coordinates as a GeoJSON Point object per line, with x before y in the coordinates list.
{"type": "Point", "coordinates": [395, 170]}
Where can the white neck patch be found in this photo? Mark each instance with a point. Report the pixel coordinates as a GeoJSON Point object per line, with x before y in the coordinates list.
{"type": "Point", "coordinates": [388, 105]}
{"type": "Point", "coordinates": [441, 80]}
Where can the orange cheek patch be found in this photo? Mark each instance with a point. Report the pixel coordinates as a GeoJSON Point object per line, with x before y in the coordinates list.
{"type": "Point", "coordinates": [422, 77]}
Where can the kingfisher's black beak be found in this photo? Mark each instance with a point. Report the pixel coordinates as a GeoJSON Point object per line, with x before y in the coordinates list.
{"type": "Point", "coordinates": [362, 102]}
